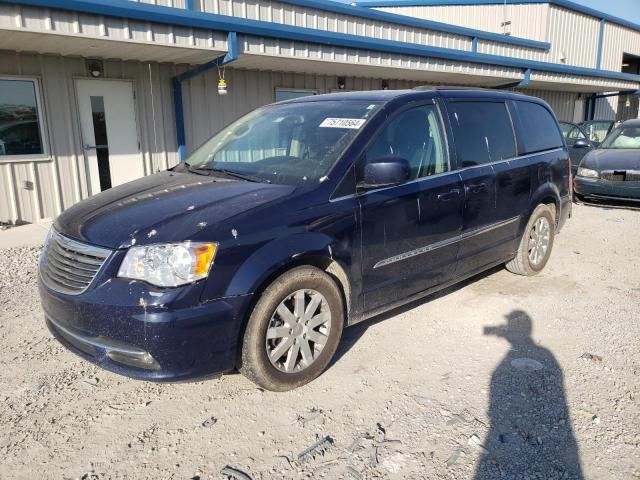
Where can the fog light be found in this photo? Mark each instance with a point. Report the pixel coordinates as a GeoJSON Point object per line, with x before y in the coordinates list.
{"type": "Point", "coordinates": [134, 359]}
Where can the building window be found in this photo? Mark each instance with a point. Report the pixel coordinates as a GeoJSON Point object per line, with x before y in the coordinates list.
{"type": "Point", "coordinates": [20, 118]}
{"type": "Point", "coordinates": [283, 94]}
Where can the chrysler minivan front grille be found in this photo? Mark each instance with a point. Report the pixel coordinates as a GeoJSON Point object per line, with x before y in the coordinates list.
{"type": "Point", "coordinates": [68, 266]}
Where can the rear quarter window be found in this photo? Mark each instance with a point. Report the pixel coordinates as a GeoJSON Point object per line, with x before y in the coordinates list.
{"type": "Point", "coordinates": [539, 129]}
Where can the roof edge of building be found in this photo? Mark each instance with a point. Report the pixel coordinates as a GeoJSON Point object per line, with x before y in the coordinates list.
{"type": "Point", "coordinates": [209, 21]}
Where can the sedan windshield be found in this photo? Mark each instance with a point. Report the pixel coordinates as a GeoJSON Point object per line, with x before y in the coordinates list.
{"type": "Point", "coordinates": [290, 143]}
{"type": "Point", "coordinates": [623, 138]}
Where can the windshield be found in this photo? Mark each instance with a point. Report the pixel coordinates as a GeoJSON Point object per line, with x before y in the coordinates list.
{"type": "Point", "coordinates": [623, 138]}
{"type": "Point", "coordinates": [291, 143]}
{"type": "Point", "coordinates": [596, 130]}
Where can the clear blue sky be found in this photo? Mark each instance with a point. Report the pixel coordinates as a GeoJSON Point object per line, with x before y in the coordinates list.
{"type": "Point", "coordinates": [627, 9]}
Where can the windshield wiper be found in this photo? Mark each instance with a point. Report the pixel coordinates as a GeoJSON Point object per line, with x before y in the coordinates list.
{"type": "Point", "coordinates": [231, 173]}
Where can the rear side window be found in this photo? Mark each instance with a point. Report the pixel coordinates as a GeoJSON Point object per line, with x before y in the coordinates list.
{"type": "Point", "coordinates": [539, 129]}
{"type": "Point", "coordinates": [482, 132]}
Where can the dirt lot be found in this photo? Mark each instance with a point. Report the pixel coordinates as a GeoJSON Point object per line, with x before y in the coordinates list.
{"type": "Point", "coordinates": [484, 382]}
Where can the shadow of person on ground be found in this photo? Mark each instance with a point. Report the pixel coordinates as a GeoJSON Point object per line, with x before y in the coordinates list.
{"type": "Point", "coordinates": [530, 435]}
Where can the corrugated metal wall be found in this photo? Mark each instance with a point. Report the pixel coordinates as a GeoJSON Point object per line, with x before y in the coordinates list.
{"type": "Point", "coordinates": [58, 181]}
{"type": "Point", "coordinates": [606, 108]}
{"type": "Point", "coordinates": [527, 21]}
{"type": "Point", "coordinates": [574, 37]}
{"type": "Point", "coordinates": [52, 21]}
{"type": "Point", "coordinates": [288, 14]}
{"type": "Point", "coordinates": [562, 103]}
{"type": "Point", "coordinates": [206, 112]}
{"type": "Point", "coordinates": [618, 40]}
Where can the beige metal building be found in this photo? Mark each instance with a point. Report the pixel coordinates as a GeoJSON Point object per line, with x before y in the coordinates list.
{"type": "Point", "coordinates": [94, 93]}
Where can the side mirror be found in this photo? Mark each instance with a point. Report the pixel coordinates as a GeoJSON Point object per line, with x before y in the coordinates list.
{"type": "Point", "coordinates": [581, 143]}
{"type": "Point", "coordinates": [385, 171]}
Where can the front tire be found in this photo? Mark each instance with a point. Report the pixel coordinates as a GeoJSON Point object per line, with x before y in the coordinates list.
{"type": "Point", "coordinates": [293, 331]}
{"type": "Point", "coordinates": [536, 243]}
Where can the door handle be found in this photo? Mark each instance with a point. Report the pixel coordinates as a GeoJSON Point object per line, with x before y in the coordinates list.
{"type": "Point", "coordinates": [445, 197]}
{"type": "Point", "coordinates": [478, 188]}
{"type": "Point", "coordinates": [93, 147]}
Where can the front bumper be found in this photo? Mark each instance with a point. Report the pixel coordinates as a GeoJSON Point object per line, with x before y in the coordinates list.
{"type": "Point", "coordinates": [599, 189]}
{"type": "Point", "coordinates": [127, 328]}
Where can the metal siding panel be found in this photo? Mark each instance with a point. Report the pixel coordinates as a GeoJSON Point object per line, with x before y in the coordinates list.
{"type": "Point", "coordinates": [65, 142]}
{"type": "Point", "coordinates": [289, 14]}
{"type": "Point", "coordinates": [25, 196]}
{"type": "Point", "coordinates": [618, 40]}
{"type": "Point", "coordinates": [574, 35]}
{"type": "Point", "coordinates": [46, 179]}
{"type": "Point", "coordinates": [7, 195]}
{"type": "Point", "coordinates": [527, 21]}
{"type": "Point", "coordinates": [562, 103]}
{"type": "Point", "coordinates": [606, 108]}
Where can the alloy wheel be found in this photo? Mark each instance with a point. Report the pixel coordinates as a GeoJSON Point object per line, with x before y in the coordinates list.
{"type": "Point", "coordinates": [539, 240]}
{"type": "Point", "coordinates": [298, 330]}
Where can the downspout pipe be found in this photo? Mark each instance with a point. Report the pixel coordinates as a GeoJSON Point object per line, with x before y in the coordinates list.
{"type": "Point", "coordinates": [230, 56]}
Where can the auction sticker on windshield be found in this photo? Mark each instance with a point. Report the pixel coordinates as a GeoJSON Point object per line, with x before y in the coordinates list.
{"type": "Point", "coordinates": [353, 123]}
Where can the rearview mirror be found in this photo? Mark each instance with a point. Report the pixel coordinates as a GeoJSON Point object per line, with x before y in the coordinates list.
{"type": "Point", "coordinates": [385, 171]}
{"type": "Point", "coordinates": [581, 144]}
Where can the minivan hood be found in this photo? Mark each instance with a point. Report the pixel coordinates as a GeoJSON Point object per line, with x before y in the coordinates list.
{"type": "Point", "coordinates": [612, 159]}
{"type": "Point", "coordinates": [165, 207]}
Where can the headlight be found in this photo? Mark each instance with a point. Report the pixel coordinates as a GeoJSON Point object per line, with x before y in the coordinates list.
{"type": "Point", "coordinates": [587, 172]}
{"type": "Point", "coordinates": [168, 264]}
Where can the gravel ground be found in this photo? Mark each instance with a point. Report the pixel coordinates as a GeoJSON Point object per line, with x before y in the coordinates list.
{"type": "Point", "coordinates": [485, 382]}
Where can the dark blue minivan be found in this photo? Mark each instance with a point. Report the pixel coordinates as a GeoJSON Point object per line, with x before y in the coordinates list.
{"type": "Point", "coordinates": [299, 219]}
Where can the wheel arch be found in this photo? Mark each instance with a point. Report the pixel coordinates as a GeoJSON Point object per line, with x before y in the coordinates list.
{"type": "Point", "coordinates": [281, 256]}
{"type": "Point", "coordinates": [546, 194]}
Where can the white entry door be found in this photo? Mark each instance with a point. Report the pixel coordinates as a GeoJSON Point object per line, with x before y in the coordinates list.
{"type": "Point", "coordinates": [109, 133]}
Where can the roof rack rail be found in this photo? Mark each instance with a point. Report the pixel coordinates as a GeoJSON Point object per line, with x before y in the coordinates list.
{"type": "Point", "coordinates": [445, 87]}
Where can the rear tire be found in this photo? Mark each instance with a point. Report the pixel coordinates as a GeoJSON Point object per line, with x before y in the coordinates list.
{"type": "Point", "coordinates": [536, 243]}
{"type": "Point", "coordinates": [293, 331]}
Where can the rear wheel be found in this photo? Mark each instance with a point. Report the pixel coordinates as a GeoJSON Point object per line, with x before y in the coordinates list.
{"type": "Point", "coordinates": [536, 243]}
{"type": "Point", "coordinates": [293, 331]}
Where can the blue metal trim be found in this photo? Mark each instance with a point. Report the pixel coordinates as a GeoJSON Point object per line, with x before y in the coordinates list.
{"type": "Point", "coordinates": [441, 3]}
{"type": "Point", "coordinates": [600, 44]}
{"type": "Point", "coordinates": [209, 21]}
{"type": "Point", "coordinates": [188, 4]}
{"type": "Point", "coordinates": [230, 56]}
{"type": "Point", "coordinates": [356, 11]}
{"type": "Point", "coordinates": [474, 45]}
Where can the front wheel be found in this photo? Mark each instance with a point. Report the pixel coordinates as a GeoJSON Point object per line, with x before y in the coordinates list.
{"type": "Point", "coordinates": [293, 331]}
{"type": "Point", "coordinates": [536, 243]}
